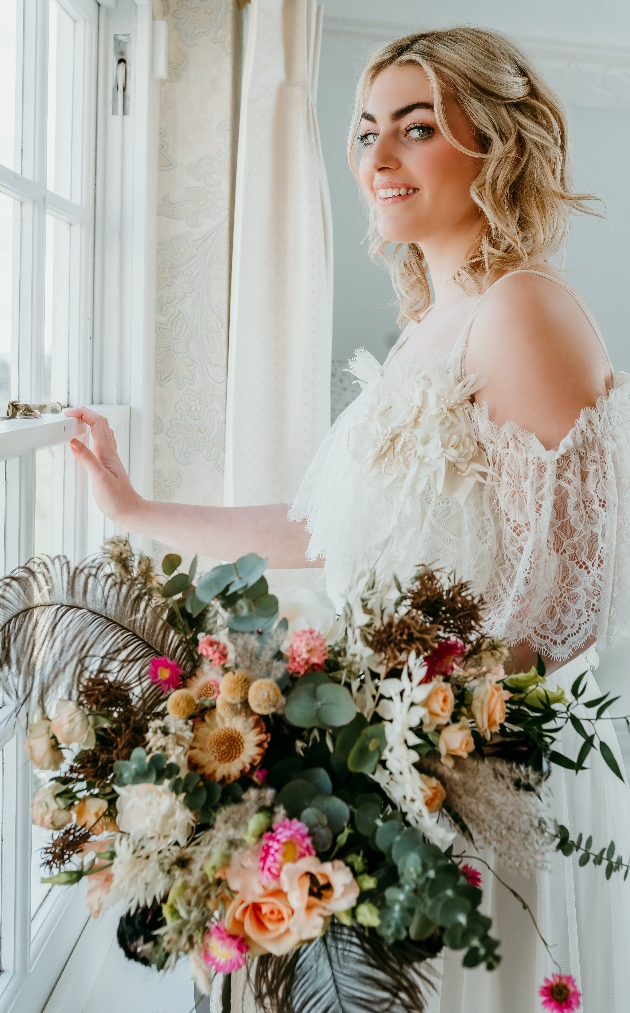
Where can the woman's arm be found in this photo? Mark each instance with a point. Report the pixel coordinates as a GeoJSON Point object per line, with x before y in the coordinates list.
{"type": "Point", "coordinates": [218, 532]}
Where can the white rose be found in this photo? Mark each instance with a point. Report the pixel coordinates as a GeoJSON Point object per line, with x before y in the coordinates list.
{"type": "Point", "coordinates": [40, 748]}
{"type": "Point", "coordinates": [45, 809]}
{"type": "Point", "coordinates": [307, 610]}
{"type": "Point", "coordinates": [71, 724]}
{"type": "Point", "coordinates": [152, 810]}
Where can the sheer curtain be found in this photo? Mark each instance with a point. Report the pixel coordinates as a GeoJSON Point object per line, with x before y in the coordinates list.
{"type": "Point", "coordinates": [278, 401]}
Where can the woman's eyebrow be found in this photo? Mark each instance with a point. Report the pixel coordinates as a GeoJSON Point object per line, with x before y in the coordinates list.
{"type": "Point", "coordinates": [399, 113]}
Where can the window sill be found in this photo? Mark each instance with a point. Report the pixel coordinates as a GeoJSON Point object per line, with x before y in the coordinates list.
{"type": "Point", "coordinates": [19, 436]}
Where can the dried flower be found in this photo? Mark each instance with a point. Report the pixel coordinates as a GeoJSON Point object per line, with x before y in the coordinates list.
{"type": "Point", "coordinates": [171, 736]}
{"type": "Point", "coordinates": [260, 775]}
{"type": "Point", "coordinates": [287, 842]}
{"type": "Point", "coordinates": [153, 811]}
{"type": "Point", "coordinates": [232, 710]}
{"type": "Point", "coordinates": [307, 652]}
{"type": "Point", "coordinates": [456, 740]}
{"type": "Point", "coordinates": [560, 994]}
{"type": "Point", "coordinates": [223, 748]}
{"type": "Point", "coordinates": [204, 685]}
{"type": "Point", "coordinates": [46, 811]}
{"type": "Point", "coordinates": [181, 704]}
{"type": "Point", "coordinates": [165, 673]}
{"type": "Point", "coordinates": [214, 649]}
{"type": "Point", "coordinates": [41, 748]}
{"type": "Point", "coordinates": [223, 952]}
{"type": "Point", "coordinates": [441, 661]}
{"type": "Point", "coordinates": [265, 697]}
{"type": "Point", "coordinates": [472, 876]}
{"type": "Point", "coordinates": [71, 724]}
{"type": "Point", "coordinates": [235, 687]}
{"type": "Point", "coordinates": [121, 554]}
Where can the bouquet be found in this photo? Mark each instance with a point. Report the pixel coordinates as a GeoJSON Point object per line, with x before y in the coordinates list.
{"type": "Point", "coordinates": [245, 792]}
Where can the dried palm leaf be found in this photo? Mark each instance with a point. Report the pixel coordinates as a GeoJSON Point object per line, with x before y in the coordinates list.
{"type": "Point", "coordinates": [59, 624]}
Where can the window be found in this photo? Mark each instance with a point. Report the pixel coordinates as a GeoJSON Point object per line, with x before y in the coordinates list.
{"type": "Point", "coordinates": [48, 61]}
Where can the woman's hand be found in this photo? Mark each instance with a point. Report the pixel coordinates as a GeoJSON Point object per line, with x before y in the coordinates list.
{"type": "Point", "coordinates": [112, 490]}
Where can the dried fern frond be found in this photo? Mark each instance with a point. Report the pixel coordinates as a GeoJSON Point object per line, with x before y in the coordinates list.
{"type": "Point", "coordinates": [59, 624]}
{"type": "Point", "coordinates": [502, 804]}
{"type": "Point", "coordinates": [64, 846]}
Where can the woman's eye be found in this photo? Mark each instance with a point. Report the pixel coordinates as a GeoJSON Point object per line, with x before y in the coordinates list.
{"type": "Point", "coordinates": [419, 131]}
{"type": "Point", "coordinates": [367, 139]}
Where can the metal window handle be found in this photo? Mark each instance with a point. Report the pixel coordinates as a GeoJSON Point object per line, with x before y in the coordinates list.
{"type": "Point", "coordinates": [22, 410]}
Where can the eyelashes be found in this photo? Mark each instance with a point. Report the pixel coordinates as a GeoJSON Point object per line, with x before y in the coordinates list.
{"type": "Point", "coordinates": [414, 131]}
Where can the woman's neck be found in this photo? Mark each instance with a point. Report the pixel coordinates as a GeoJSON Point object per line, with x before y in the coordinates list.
{"type": "Point", "coordinates": [444, 257]}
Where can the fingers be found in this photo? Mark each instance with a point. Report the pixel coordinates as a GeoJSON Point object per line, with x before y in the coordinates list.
{"type": "Point", "coordinates": [86, 457]}
{"type": "Point", "coordinates": [102, 435]}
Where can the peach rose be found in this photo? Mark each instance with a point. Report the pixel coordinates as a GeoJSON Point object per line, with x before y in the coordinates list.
{"type": "Point", "coordinates": [455, 740]}
{"type": "Point", "coordinates": [98, 883]}
{"type": "Point", "coordinates": [439, 705]}
{"type": "Point", "coordinates": [40, 747]}
{"type": "Point", "coordinates": [265, 922]}
{"type": "Point", "coordinates": [337, 890]}
{"type": "Point", "coordinates": [488, 706]}
{"type": "Point", "coordinates": [435, 793]}
{"type": "Point", "coordinates": [90, 813]}
{"type": "Point", "coordinates": [46, 811]}
{"type": "Point", "coordinates": [71, 724]}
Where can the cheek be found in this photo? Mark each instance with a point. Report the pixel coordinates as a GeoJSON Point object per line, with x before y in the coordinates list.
{"type": "Point", "coordinates": [366, 177]}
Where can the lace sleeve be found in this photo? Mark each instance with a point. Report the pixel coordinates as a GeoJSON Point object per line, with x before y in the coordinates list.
{"type": "Point", "coordinates": [562, 562]}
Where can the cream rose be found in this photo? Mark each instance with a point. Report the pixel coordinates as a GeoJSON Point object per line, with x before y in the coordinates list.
{"type": "Point", "coordinates": [455, 740]}
{"type": "Point", "coordinates": [71, 724]}
{"type": "Point", "coordinates": [40, 747]}
{"type": "Point", "coordinates": [488, 706]}
{"type": "Point", "coordinates": [152, 810]}
{"type": "Point", "coordinates": [337, 891]}
{"type": "Point", "coordinates": [439, 705]}
{"type": "Point", "coordinates": [46, 811]}
{"type": "Point", "coordinates": [307, 610]}
{"type": "Point", "coordinates": [435, 793]}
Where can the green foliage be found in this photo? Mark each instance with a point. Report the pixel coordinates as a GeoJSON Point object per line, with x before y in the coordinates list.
{"type": "Point", "coordinates": [368, 749]}
{"type": "Point", "coordinates": [567, 846]}
{"type": "Point", "coordinates": [200, 796]}
{"type": "Point", "coordinates": [319, 703]}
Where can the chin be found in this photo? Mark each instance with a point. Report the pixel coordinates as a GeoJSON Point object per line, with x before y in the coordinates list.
{"type": "Point", "coordinates": [397, 232]}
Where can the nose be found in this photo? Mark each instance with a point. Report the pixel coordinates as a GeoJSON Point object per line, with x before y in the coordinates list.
{"type": "Point", "coordinates": [383, 154]}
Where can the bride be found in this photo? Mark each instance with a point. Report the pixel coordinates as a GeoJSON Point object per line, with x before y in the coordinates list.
{"type": "Point", "coordinates": [462, 160]}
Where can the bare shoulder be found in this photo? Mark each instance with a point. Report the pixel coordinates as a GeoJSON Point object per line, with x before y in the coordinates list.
{"type": "Point", "coordinates": [541, 359]}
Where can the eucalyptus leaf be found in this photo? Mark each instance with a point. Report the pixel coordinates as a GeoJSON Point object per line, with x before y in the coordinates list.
{"type": "Point", "coordinates": [266, 605]}
{"type": "Point", "coordinates": [387, 833]}
{"type": "Point", "coordinates": [320, 778]}
{"type": "Point", "coordinates": [170, 563]}
{"type": "Point", "coordinates": [284, 771]}
{"type": "Point", "coordinates": [365, 818]}
{"type": "Point", "coordinates": [250, 567]}
{"type": "Point", "coordinates": [349, 735]}
{"type": "Point", "coordinates": [176, 585]}
{"type": "Point", "coordinates": [336, 811]}
{"type": "Point", "coordinates": [336, 705]}
{"type": "Point", "coordinates": [196, 798]}
{"type": "Point", "coordinates": [193, 569]}
{"type": "Point", "coordinates": [368, 749]}
{"type": "Point", "coordinates": [296, 796]}
{"type": "Point", "coordinates": [214, 582]}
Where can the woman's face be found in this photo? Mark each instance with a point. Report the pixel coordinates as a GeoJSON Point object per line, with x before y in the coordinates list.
{"type": "Point", "coordinates": [404, 149]}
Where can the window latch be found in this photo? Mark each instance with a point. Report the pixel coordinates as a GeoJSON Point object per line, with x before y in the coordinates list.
{"type": "Point", "coordinates": [120, 92]}
{"type": "Point", "coordinates": [21, 410]}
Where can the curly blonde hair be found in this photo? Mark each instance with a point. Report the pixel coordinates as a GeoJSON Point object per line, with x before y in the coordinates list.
{"type": "Point", "coordinates": [523, 187]}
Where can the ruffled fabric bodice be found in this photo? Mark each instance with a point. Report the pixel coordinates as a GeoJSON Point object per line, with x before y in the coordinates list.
{"type": "Point", "coordinates": [427, 478]}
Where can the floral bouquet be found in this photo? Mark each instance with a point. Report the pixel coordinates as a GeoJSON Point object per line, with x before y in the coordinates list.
{"type": "Point", "coordinates": [242, 792]}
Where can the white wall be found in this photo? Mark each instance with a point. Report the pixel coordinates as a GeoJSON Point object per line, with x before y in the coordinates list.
{"type": "Point", "coordinates": [593, 82]}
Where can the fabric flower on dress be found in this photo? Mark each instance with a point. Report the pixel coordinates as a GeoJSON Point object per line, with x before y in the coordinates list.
{"type": "Point", "coordinates": [413, 428]}
{"type": "Point", "coordinates": [224, 747]}
{"type": "Point", "coordinates": [221, 951]}
{"type": "Point", "coordinates": [560, 994]}
{"type": "Point", "coordinates": [165, 673]}
{"type": "Point", "coordinates": [307, 652]}
{"type": "Point", "coordinates": [287, 842]}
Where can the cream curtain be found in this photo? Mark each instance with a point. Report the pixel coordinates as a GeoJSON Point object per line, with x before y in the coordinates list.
{"type": "Point", "coordinates": [278, 399]}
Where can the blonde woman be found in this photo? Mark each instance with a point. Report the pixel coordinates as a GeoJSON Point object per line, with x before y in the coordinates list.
{"type": "Point", "coordinates": [462, 159]}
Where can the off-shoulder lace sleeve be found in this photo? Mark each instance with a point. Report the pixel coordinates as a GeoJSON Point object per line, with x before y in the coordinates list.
{"type": "Point", "coordinates": [562, 560]}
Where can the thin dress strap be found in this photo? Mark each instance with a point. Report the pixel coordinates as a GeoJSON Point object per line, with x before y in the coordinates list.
{"type": "Point", "coordinates": [463, 338]}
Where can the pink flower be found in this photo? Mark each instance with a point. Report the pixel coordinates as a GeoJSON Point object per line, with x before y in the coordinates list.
{"type": "Point", "coordinates": [441, 661]}
{"type": "Point", "coordinates": [287, 842]}
{"type": "Point", "coordinates": [307, 652]}
{"type": "Point", "coordinates": [260, 775]}
{"type": "Point", "coordinates": [223, 952]}
{"type": "Point", "coordinates": [560, 994]}
{"type": "Point", "coordinates": [473, 876]}
{"type": "Point", "coordinates": [165, 673]}
{"type": "Point", "coordinates": [316, 890]}
{"type": "Point", "coordinates": [213, 649]}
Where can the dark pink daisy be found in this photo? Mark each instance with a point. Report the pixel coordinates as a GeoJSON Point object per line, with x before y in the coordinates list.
{"type": "Point", "coordinates": [307, 652]}
{"type": "Point", "coordinates": [287, 842]}
{"type": "Point", "coordinates": [560, 994]}
{"type": "Point", "coordinates": [473, 876]}
{"type": "Point", "coordinates": [442, 660]}
{"type": "Point", "coordinates": [165, 673]}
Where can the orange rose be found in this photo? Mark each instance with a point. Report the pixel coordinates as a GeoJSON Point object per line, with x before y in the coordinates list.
{"type": "Point", "coordinates": [455, 740]}
{"type": "Point", "coordinates": [488, 706]}
{"type": "Point", "coordinates": [98, 883]}
{"type": "Point", "coordinates": [90, 813]}
{"type": "Point", "coordinates": [435, 793]}
{"type": "Point", "coordinates": [439, 704]}
{"type": "Point", "coordinates": [265, 922]}
{"type": "Point", "coordinates": [316, 890]}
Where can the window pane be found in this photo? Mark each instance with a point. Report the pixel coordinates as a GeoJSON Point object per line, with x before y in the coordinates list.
{"type": "Point", "coordinates": [57, 312]}
{"type": "Point", "coordinates": [8, 52]}
{"type": "Point", "coordinates": [9, 222]}
{"type": "Point", "coordinates": [60, 80]}
{"type": "Point", "coordinates": [39, 838]}
{"type": "Point", "coordinates": [43, 471]}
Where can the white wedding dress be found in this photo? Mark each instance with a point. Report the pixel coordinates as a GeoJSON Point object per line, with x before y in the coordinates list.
{"type": "Point", "coordinates": [546, 539]}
